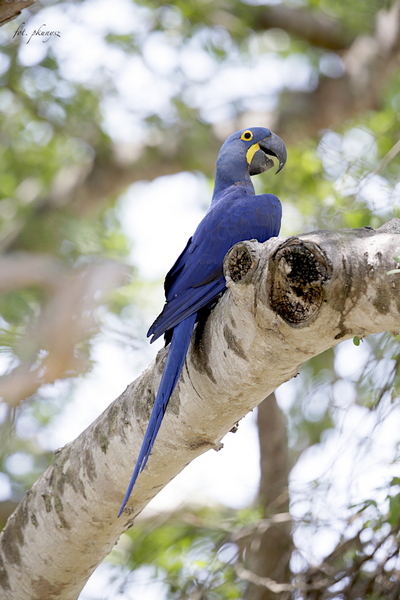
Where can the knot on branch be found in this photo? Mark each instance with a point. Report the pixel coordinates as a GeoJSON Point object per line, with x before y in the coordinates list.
{"type": "Point", "coordinates": [240, 262]}
{"type": "Point", "coordinates": [298, 273]}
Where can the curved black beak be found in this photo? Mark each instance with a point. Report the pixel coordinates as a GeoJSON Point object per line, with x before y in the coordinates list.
{"type": "Point", "coordinates": [273, 146]}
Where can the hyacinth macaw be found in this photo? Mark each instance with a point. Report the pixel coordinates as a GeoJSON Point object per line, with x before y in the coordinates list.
{"type": "Point", "coordinates": [196, 279]}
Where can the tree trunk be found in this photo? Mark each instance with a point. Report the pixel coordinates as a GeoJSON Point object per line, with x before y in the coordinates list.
{"type": "Point", "coordinates": [287, 300]}
{"type": "Point", "coordinates": [270, 550]}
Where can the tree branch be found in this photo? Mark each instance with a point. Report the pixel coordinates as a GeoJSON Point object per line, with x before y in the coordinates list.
{"type": "Point", "coordinates": [368, 65]}
{"type": "Point", "coordinates": [287, 300]}
{"type": "Point", "coordinates": [313, 26]}
{"type": "Point", "coordinates": [67, 316]}
{"type": "Point", "coordinates": [9, 10]}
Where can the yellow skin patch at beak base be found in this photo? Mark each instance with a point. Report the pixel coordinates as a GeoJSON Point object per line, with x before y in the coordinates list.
{"type": "Point", "coordinates": [251, 152]}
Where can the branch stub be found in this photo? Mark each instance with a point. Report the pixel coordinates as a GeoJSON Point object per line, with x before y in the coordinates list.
{"type": "Point", "coordinates": [298, 275]}
{"type": "Point", "coordinates": [240, 262]}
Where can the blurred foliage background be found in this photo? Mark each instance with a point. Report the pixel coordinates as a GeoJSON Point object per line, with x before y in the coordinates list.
{"type": "Point", "coordinates": [136, 91]}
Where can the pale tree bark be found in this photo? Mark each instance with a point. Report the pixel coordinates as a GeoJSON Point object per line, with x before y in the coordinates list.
{"type": "Point", "coordinates": [287, 300]}
{"type": "Point", "coordinates": [10, 9]}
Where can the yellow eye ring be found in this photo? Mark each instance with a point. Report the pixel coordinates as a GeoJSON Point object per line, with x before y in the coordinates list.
{"type": "Point", "coordinates": [247, 135]}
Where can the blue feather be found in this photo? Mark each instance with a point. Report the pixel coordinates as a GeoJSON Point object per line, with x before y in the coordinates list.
{"type": "Point", "coordinates": [178, 348]}
{"type": "Point", "coordinates": [196, 280]}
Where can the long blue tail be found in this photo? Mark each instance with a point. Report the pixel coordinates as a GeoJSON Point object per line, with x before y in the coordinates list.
{"type": "Point", "coordinates": [178, 348]}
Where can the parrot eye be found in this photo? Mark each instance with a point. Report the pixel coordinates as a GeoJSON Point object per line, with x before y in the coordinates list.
{"type": "Point", "coordinates": [246, 135]}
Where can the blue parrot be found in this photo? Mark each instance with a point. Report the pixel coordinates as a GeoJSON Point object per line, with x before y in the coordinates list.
{"type": "Point", "coordinates": [197, 280]}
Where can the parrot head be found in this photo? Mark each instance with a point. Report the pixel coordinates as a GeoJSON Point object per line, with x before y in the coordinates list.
{"type": "Point", "coordinates": [248, 152]}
